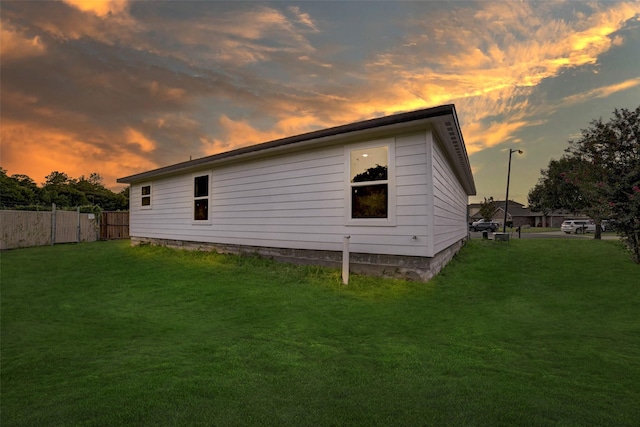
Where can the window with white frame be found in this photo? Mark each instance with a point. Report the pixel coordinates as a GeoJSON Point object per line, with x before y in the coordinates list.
{"type": "Point", "coordinates": [145, 196]}
{"type": "Point", "coordinates": [371, 187]}
{"type": "Point", "coordinates": [201, 198]}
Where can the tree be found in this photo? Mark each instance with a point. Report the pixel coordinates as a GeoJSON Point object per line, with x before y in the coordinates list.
{"type": "Point", "coordinates": [57, 178]}
{"type": "Point", "coordinates": [376, 173]}
{"type": "Point", "coordinates": [599, 175]}
{"type": "Point", "coordinates": [17, 190]}
{"type": "Point", "coordinates": [61, 190]}
{"type": "Point", "coordinates": [370, 201]}
{"type": "Point", "coordinates": [20, 191]}
{"type": "Point", "coordinates": [590, 178]}
{"type": "Point", "coordinates": [555, 190]}
{"type": "Point", "coordinates": [488, 208]}
{"type": "Point", "coordinates": [610, 174]}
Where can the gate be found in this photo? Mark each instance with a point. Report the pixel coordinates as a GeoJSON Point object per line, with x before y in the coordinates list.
{"type": "Point", "coordinates": [114, 225]}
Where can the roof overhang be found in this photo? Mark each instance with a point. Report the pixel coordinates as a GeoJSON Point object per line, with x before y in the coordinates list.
{"type": "Point", "coordinates": [443, 120]}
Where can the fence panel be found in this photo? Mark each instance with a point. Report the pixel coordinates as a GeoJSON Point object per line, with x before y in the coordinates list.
{"type": "Point", "coordinates": [89, 228]}
{"type": "Point", "coordinates": [23, 229]}
{"type": "Point", "coordinates": [66, 226]}
{"type": "Point", "coordinates": [114, 225]}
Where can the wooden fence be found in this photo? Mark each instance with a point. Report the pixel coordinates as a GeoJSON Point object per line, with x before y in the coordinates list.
{"type": "Point", "coordinates": [22, 229]}
{"type": "Point", "coordinates": [114, 225]}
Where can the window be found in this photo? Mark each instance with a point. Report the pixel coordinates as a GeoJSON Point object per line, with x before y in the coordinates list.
{"type": "Point", "coordinates": [146, 196]}
{"type": "Point", "coordinates": [371, 192]}
{"type": "Point", "coordinates": [201, 198]}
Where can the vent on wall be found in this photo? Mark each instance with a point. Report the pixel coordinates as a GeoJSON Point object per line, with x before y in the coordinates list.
{"type": "Point", "coordinates": [454, 138]}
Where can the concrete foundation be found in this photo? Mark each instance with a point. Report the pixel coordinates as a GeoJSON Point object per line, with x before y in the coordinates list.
{"type": "Point", "coordinates": [408, 267]}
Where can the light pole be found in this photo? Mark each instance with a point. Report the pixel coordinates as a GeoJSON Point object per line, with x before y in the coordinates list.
{"type": "Point", "coordinates": [506, 199]}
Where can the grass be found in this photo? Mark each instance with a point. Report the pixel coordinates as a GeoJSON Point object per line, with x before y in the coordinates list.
{"type": "Point", "coordinates": [531, 332]}
{"type": "Point", "coordinates": [536, 229]}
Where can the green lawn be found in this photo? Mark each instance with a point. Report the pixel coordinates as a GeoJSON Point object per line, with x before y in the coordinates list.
{"type": "Point", "coordinates": [536, 229]}
{"type": "Point", "coordinates": [531, 332]}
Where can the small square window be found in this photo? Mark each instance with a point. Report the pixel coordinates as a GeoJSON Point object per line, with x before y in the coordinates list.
{"type": "Point", "coordinates": [201, 186]}
{"type": "Point", "coordinates": [370, 201]}
{"type": "Point", "coordinates": [145, 200]}
{"type": "Point", "coordinates": [201, 210]}
{"type": "Point", "coordinates": [370, 164]}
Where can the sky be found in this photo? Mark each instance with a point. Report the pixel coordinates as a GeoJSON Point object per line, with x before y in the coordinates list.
{"type": "Point", "coordinates": [121, 87]}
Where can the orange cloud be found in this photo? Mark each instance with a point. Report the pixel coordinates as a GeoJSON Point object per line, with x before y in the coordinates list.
{"type": "Point", "coordinates": [245, 37]}
{"type": "Point", "coordinates": [239, 133]}
{"type": "Point", "coordinates": [489, 61]}
{"type": "Point", "coordinates": [134, 137]}
{"type": "Point", "coordinates": [14, 44]}
{"type": "Point", "coordinates": [479, 137]}
{"type": "Point", "coordinates": [37, 151]}
{"type": "Point", "coordinates": [100, 8]}
{"type": "Point", "coordinates": [164, 93]}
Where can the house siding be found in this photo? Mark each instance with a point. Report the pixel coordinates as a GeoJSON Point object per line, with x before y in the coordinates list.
{"type": "Point", "coordinates": [449, 202]}
{"type": "Point", "coordinates": [296, 201]}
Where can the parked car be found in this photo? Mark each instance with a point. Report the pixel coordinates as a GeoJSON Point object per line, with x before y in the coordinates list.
{"type": "Point", "coordinates": [484, 225]}
{"type": "Point", "coordinates": [578, 226]}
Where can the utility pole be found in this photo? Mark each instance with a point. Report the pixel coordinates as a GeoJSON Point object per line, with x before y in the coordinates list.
{"type": "Point", "coordinates": [506, 199]}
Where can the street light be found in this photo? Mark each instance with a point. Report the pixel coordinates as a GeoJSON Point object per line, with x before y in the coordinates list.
{"type": "Point", "coordinates": [506, 199]}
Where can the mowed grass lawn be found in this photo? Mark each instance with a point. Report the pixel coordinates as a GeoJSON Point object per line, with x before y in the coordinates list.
{"type": "Point", "coordinates": [530, 332]}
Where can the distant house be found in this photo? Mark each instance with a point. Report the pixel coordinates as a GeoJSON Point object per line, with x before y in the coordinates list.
{"type": "Point", "coordinates": [521, 216]}
{"type": "Point", "coordinates": [397, 185]}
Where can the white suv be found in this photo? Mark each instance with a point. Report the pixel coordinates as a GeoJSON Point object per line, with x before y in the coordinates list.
{"type": "Point", "coordinates": [578, 226]}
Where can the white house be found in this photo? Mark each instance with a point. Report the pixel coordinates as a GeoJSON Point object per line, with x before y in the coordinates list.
{"type": "Point", "coordinates": [398, 185]}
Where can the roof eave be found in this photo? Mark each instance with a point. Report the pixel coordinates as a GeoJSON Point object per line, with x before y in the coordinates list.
{"type": "Point", "coordinates": [387, 124]}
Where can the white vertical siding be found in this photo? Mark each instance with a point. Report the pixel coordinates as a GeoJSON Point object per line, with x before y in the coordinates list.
{"type": "Point", "coordinates": [290, 201]}
{"type": "Point", "coordinates": [449, 202]}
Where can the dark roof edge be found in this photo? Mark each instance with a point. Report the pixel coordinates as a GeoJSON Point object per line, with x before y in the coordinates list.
{"type": "Point", "coordinates": [410, 116]}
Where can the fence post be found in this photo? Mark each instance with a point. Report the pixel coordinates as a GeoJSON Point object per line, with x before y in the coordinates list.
{"type": "Point", "coordinates": [78, 230]}
{"type": "Point", "coordinates": [53, 224]}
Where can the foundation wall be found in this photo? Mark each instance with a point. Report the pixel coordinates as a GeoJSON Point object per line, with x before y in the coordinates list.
{"type": "Point", "coordinates": [408, 267]}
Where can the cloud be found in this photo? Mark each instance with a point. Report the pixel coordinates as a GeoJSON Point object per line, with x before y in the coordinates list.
{"type": "Point", "coordinates": [159, 81]}
{"type": "Point", "coordinates": [58, 22]}
{"type": "Point", "coordinates": [601, 92]}
{"type": "Point", "coordinates": [235, 37]}
{"type": "Point", "coordinates": [240, 133]}
{"type": "Point", "coordinates": [135, 137]}
{"type": "Point", "coordinates": [16, 44]}
{"type": "Point", "coordinates": [489, 59]}
{"type": "Point", "coordinates": [303, 18]}
{"type": "Point", "coordinates": [34, 150]}
{"type": "Point", "coordinates": [479, 136]}
{"type": "Point", "coordinates": [100, 8]}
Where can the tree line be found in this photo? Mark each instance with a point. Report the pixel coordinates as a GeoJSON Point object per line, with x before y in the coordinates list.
{"type": "Point", "coordinates": [599, 176]}
{"type": "Point", "coordinates": [21, 192]}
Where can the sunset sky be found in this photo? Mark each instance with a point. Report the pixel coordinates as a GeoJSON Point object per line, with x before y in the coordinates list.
{"type": "Point", "coordinates": [122, 87]}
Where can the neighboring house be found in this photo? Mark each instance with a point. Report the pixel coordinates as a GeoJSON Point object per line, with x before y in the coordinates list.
{"type": "Point", "coordinates": [555, 218]}
{"type": "Point", "coordinates": [521, 216]}
{"type": "Point", "coordinates": [398, 185]}
{"type": "Point", "coordinates": [517, 213]}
